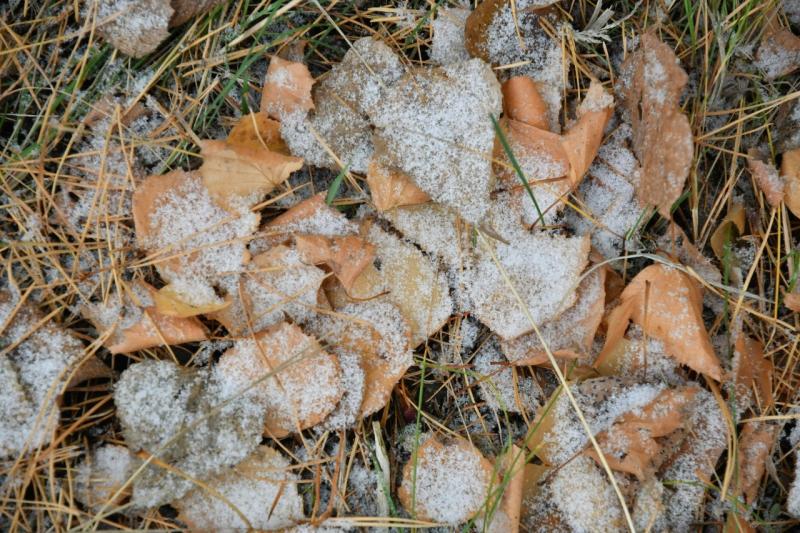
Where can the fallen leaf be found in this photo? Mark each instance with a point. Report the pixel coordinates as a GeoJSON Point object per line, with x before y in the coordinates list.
{"type": "Point", "coordinates": [134, 28]}
{"type": "Point", "coordinates": [287, 88]}
{"type": "Point", "coordinates": [298, 381]}
{"type": "Point", "coordinates": [779, 52]}
{"type": "Point", "coordinates": [450, 156]}
{"type": "Point", "coordinates": [752, 378]}
{"type": "Point", "coordinates": [755, 444]}
{"type": "Point", "coordinates": [673, 315]}
{"type": "Point", "coordinates": [391, 189]}
{"type": "Point", "coordinates": [260, 493]}
{"type": "Point", "coordinates": [792, 301]}
{"type": "Point", "coordinates": [322, 235]}
{"type": "Point", "coordinates": [446, 482]}
{"type": "Point", "coordinates": [507, 512]}
{"type": "Point", "coordinates": [277, 284]}
{"type": "Point", "coordinates": [582, 140]}
{"type": "Point", "coordinates": [651, 83]}
{"type": "Point", "coordinates": [629, 445]}
{"type": "Point", "coordinates": [186, 9]}
{"type": "Point", "coordinates": [412, 281]}
{"type": "Point", "coordinates": [172, 301]}
{"type": "Point", "coordinates": [447, 43]}
{"type": "Point", "coordinates": [379, 334]}
{"type": "Point", "coordinates": [337, 133]}
{"type": "Point", "coordinates": [255, 131]}
{"type": "Point", "coordinates": [790, 173]}
{"type": "Point", "coordinates": [346, 256]}
{"type": "Point", "coordinates": [570, 334]}
{"type": "Point", "coordinates": [101, 475]}
{"type": "Point", "coordinates": [767, 178]}
{"type": "Point", "coordinates": [242, 172]}
{"type": "Point", "coordinates": [190, 235]}
{"type": "Point", "coordinates": [731, 227]}
{"type": "Point", "coordinates": [544, 270]}
{"type": "Point", "coordinates": [677, 245]}
{"type": "Point", "coordinates": [522, 101]}
{"type": "Point", "coordinates": [139, 324]}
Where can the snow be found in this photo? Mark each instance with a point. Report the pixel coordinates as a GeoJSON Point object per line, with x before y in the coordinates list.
{"type": "Point", "coordinates": [448, 36]}
{"type": "Point", "coordinates": [101, 474]}
{"type": "Point", "coordinates": [434, 126]}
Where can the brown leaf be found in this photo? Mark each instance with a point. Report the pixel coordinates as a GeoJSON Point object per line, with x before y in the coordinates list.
{"type": "Point", "coordinates": [134, 28]}
{"type": "Point", "coordinates": [731, 227]}
{"type": "Point", "coordinates": [512, 469]}
{"type": "Point", "coordinates": [300, 382]}
{"type": "Point", "coordinates": [753, 373]}
{"type": "Point", "coordinates": [790, 172]}
{"type": "Point", "coordinates": [779, 53]}
{"type": "Point", "coordinates": [792, 301]}
{"type": "Point", "coordinates": [755, 444]}
{"type": "Point", "coordinates": [186, 9]}
{"type": "Point", "coordinates": [651, 83]}
{"type": "Point", "coordinates": [522, 101]}
{"type": "Point", "coordinates": [276, 285]}
{"type": "Point", "coordinates": [629, 445]}
{"type": "Point", "coordinates": [767, 178]}
{"type": "Point", "coordinates": [91, 368]}
{"type": "Point", "coordinates": [392, 188]}
{"type": "Point", "coordinates": [241, 171]}
{"type": "Point", "coordinates": [477, 25]}
{"type": "Point", "coordinates": [287, 88]}
{"type": "Point", "coordinates": [447, 483]}
{"type": "Point", "coordinates": [673, 315]}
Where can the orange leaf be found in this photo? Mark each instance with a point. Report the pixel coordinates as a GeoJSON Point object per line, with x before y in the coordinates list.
{"type": "Point", "coordinates": [447, 483]}
{"type": "Point", "coordinates": [392, 189]}
{"type": "Point", "coordinates": [668, 305]}
{"type": "Point", "coordinates": [242, 171]}
{"type": "Point", "coordinates": [630, 446]}
{"type": "Point", "coordinates": [582, 141]}
{"type": "Point", "coordinates": [731, 227]}
{"type": "Point", "coordinates": [287, 88]}
{"type": "Point", "coordinates": [299, 382]}
{"type": "Point", "coordinates": [755, 444]}
{"type": "Point", "coordinates": [171, 301]}
{"type": "Point", "coordinates": [256, 131]}
{"type": "Point", "coordinates": [346, 256]}
{"type": "Point", "coordinates": [523, 103]}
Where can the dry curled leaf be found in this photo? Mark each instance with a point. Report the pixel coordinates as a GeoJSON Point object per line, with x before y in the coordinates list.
{"type": "Point", "coordinates": [790, 173]}
{"type": "Point", "coordinates": [629, 445]}
{"type": "Point", "coordinates": [731, 227]}
{"type": "Point", "coordinates": [446, 482]}
{"type": "Point", "coordinates": [260, 493]}
{"type": "Point", "coordinates": [391, 189]}
{"type": "Point", "coordinates": [287, 88]}
{"type": "Point", "coordinates": [651, 83]}
{"type": "Point", "coordinates": [668, 305]}
{"type": "Point", "coordinates": [582, 140]}
{"type": "Point", "coordinates": [767, 178]}
{"type": "Point", "coordinates": [298, 381]}
{"type": "Point", "coordinates": [752, 378]}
